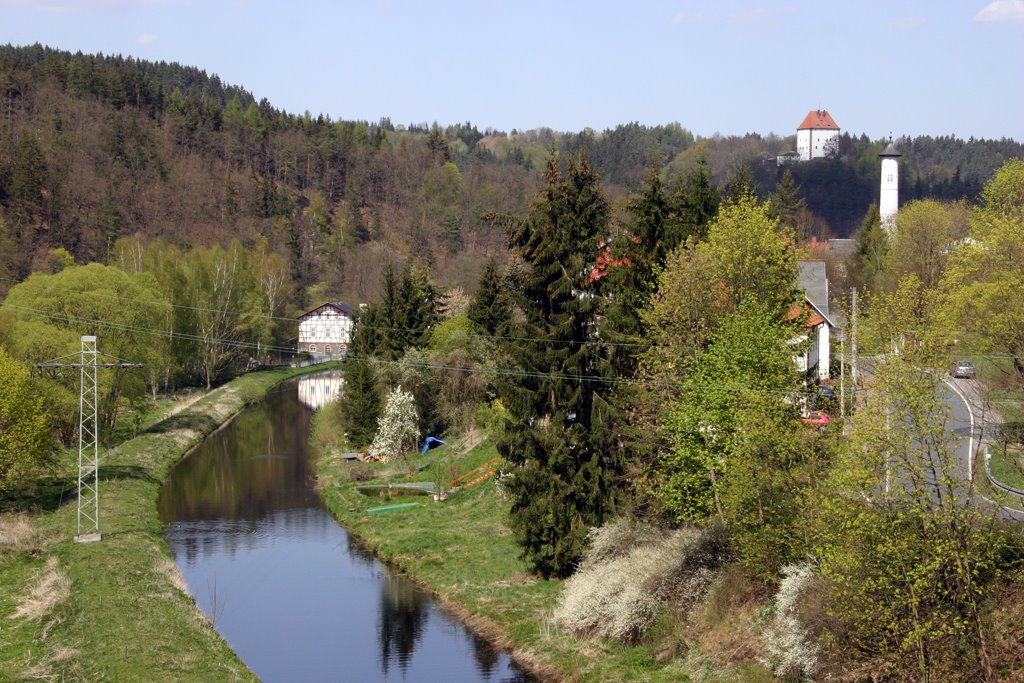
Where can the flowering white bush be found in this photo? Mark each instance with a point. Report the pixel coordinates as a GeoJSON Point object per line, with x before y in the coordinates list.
{"type": "Point", "coordinates": [789, 647]}
{"type": "Point", "coordinates": [396, 427]}
{"type": "Point", "coordinates": [630, 571]}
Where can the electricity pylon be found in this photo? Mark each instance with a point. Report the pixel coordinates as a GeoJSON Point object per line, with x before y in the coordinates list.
{"type": "Point", "coordinates": [88, 432]}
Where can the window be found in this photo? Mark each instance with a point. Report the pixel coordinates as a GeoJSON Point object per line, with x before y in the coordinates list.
{"type": "Point", "coordinates": [327, 349]}
{"type": "Point", "coordinates": [312, 348]}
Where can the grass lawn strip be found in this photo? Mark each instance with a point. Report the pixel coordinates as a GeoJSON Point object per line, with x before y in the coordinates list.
{"type": "Point", "coordinates": [127, 616]}
{"type": "Point", "coordinates": [462, 551]}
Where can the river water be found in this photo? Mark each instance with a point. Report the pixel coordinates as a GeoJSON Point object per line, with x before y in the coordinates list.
{"type": "Point", "coordinates": [286, 586]}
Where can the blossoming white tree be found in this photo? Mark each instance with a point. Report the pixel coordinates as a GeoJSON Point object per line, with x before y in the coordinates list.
{"type": "Point", "coordinates": [396, 428]}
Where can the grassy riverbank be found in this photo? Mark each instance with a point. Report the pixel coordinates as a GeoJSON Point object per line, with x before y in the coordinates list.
{"type": "Point", "coordinates": [116, 610]}
{"type": "Point", "coordinates": [462, 551]}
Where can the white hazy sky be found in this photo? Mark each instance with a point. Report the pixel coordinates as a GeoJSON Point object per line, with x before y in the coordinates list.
{"type": "Point", "coordinates": [935, 67]}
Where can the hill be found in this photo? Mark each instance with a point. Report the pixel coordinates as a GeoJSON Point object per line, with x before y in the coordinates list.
{"type": "Point", "coordinates": [95, 147]}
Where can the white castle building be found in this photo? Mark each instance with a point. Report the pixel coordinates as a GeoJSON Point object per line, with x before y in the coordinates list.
{"type": "Point", "coordinates": [817, 136]}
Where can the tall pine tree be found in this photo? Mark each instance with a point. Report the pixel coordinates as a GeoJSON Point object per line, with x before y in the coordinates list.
{"type": "Point", "coordinates": [490, 308]}
{"type": "Point", "coordinates": [872, 248]}
{"type": "Point", "coordinates": [697, 202]}
{"type": "Point", "coordinates": [360, 404]}
{"type": "Point", "coordinates": [561, 442]}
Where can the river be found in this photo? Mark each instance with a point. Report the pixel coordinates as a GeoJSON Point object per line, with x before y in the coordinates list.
{"type": "Point", "coordinates": [289, 590]}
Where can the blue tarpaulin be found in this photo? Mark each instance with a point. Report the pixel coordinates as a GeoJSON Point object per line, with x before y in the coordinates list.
{"type": "Point", "coordinates": [430, 442]}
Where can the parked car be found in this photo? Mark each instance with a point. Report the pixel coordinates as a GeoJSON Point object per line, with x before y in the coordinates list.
{"type": "Point", "coordinates": [817, 418]}
{"type": "Point", "coordinates": [962, 369]}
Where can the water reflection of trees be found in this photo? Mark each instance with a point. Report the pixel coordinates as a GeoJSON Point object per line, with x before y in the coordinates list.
{"type": "Point", "coordinates": [206, 538]}
{"type": "Point", "coordinates": [360, 554]}
{"type": "Point", "coordinates": [256, 465]}
{"type": "Point", "coordinates": [403, 616]}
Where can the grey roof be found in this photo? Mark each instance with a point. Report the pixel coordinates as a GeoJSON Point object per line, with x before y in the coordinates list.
{"type": "Point", "coordinates": [890, 151]}
{"type": "Point", "coordinates": [337, 305]}
{"type": "Point", "coordinates": [813, 281]}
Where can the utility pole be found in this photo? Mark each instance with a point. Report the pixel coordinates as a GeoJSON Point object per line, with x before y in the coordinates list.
{"type": "Point", "coordinates": [842, 375]}
{"type": "Point", "coordinates": [853, 344]}
{"type": "Point", "coordinates": [88, 529]}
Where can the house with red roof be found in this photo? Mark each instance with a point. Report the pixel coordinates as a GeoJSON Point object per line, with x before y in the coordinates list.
{"type": "Point", "coordinates": [817, 136]}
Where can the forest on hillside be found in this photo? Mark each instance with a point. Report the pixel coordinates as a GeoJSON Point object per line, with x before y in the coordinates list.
{"type": "Point", "coordinates": [94, 148]}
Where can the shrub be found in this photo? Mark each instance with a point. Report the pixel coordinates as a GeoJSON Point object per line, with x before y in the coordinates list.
{"type": "Point", "coordinates": [629, 573]}
{"type": "Point", "coordinates": [396, 428]}
{"type": "Point", "coordinates": [790, 647]}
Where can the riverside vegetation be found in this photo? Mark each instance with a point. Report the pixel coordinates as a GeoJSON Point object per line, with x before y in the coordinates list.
{"type": "Point", "coordinates": [703, 531]}
{"type": "Point", "coordinates": [117, 609]}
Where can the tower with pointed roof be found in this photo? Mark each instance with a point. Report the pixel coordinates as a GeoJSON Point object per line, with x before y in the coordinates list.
{"type": "Point", "coordinates": [889, 195]}
{"type": "Point", "coordinates": [817, 136]}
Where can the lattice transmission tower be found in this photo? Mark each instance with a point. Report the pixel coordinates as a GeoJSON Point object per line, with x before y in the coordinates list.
{"type": "Point", "coordinates": [87, 361]}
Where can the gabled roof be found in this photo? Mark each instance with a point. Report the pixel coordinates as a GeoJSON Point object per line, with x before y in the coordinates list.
{"type": "Point", "coordinates": [813, 281]}
{"type": "Point", "coordinates": [338, 306]}
{"type": "Point", "coordinates": [818, 120]}
{"type": "Point", "coordinates": [810, 316]}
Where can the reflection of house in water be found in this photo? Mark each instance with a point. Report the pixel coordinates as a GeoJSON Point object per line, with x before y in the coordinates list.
{"type": "Point", "coordinates": [317, 390]}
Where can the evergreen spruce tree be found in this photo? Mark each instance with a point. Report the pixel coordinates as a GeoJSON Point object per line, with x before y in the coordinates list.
{"type": "Point", "coordinates": [387, 318]}
{"type": "Point", "coordinates": [360, 404]}
{"type": "Point", "coordinates": [416, 308]}
{"type": "Point", "coordinates": [786, 201]}
{"type": "Point", "coordinates": [561, 442]}
{"type": "Point", "coordinates": [628, 269]}
{"type": "Point", "coordinates": [872, 247]}
{"type": "Point", "coordinates": [490, 308]}
{"type": "Point", "coordinates": [655, 228]}
{"type": "Point", "coordinates": [697, 203]}
{"type": "Point", "coordinates": [739, 184]}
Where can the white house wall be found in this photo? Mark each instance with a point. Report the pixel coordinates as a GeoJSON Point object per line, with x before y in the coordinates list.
{"type": "Point", "coordinates": [817, 353]}
{"type": "Point", "coordinates": [328, 328]}
{"type": "Point", "coordinates": [813, 143]}
{"type": "Point", "coordinates": [824, 342]}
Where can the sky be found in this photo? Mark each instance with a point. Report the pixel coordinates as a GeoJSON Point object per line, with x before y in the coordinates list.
{"type": "Point", "coordinates": [729, 67]}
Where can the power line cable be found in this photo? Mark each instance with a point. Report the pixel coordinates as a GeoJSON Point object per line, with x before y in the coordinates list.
{"type": "Point", "coordinates": [506, 372]}
{"type": "Point", "coordinates": [377, 328]}
{"type": "Point", "coordinates": [244, 344]}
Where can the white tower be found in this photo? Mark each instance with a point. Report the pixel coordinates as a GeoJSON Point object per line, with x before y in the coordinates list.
{"type": "Point", "coordinates": [889, 196]}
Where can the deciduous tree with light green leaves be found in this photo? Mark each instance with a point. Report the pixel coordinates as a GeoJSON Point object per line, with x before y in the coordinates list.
{"type": "Point", "coordinates": [748, 257]}
{"type": "Point", "coordinates": [738, 453]}
{"type": "Point", "coordinates": [909, 553]}
{"type": "Point", "coordinates": [984, 279]}
{"type": "Point", "coordinates": [24, 430]}
{"type": "Point", "coordinates": [927, 232]}
{"type": "Point", "coordinates": [46, 316]}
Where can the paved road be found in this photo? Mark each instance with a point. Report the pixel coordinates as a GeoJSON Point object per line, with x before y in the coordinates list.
{"type": "Point", "coordinates": [974, 425]}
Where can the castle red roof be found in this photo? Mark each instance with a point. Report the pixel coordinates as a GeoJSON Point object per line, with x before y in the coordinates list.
{"type": "Point", "coordinates": [818, 120]}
